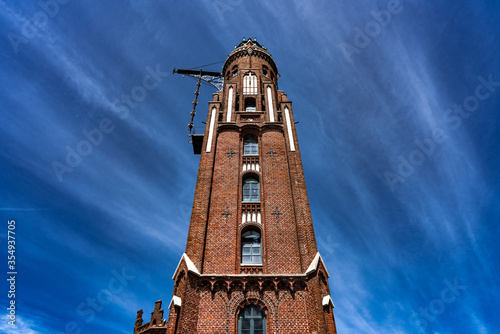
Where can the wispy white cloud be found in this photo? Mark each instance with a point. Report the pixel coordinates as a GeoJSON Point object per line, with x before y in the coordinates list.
{"type": "Point", "coordinates": [22, 325]}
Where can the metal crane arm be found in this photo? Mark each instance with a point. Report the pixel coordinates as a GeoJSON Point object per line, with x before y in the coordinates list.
{"type": "Point", "coordinates": [212, 78]}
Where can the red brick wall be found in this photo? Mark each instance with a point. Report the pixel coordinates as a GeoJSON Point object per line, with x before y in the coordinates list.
{"type": "Point", "coordinates": [281, 234]}
{"type": "Point", "coordinates": [222, 236]}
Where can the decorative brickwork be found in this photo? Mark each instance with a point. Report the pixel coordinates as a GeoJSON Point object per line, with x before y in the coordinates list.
{"type": "Point", "coordinates": [275, 268]}
{"type": "Point", "coordinates": [157, 325]}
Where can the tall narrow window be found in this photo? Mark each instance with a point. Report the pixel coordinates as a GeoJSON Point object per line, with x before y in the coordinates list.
{"type": "Point", "coordinates": [252, 320]}
{"type": "Point", "coordinates": [250, 146]}
{"type": "Point", "coordinates": [250, 190]}
{"type": "Point", "coordinates": [251, 252]}
{"type": "Point", "coordinates": [249, 84]}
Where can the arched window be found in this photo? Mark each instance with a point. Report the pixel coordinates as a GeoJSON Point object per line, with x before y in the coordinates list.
{"type": "Point", "coordinates": [235, 70]}
{"type": "Point", "coordinates": [251, 190]}
{"type": "Point", "coordinates": [249, 84]}
{"type": "Point", "coordinates": [250, 104]}
{"type": "Point", "coordinates": [251, 252]}
{"type": "Point", "coordinates": [250, 146]}
{"type": "Point", "coordinates": [252, 320]}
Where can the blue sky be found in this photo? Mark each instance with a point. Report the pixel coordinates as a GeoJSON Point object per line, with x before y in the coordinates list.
{"type": "Point", "coordinates": [398, 108]}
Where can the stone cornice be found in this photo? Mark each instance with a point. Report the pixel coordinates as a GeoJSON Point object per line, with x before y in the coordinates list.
{"type": "Point", "coordinates": [266, 126]}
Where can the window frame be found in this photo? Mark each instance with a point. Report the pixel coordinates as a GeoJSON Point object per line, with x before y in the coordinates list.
{"type": "Point", "coordinates": [250, 84]}
{"type": "Point", "coordinates": [260, 316]}
{"type": "Point", "coordinates": [251, 181]}
{"type": "Point", "coordinates": [252, 144]}
{"type": "Point", "coordinates": [250, 236]}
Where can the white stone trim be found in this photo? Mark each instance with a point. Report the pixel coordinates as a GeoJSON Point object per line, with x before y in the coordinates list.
{"type": "Point", "coordinates": [289, 128]}
{"type": "Point", "coordinates": [229, 104]}
{"type": "Point", "coordinates": [176, 301]}
{"type": "Point", "coordinates": [270, 103]}
{"type": "Point", "coordinates": [327, 300]}
{"type": "Point", "coordinates": [314, 265]}
{"type": "Point", "coordinates": [211, 130]}
{"type": "Point", "coordinates": [189, 264]}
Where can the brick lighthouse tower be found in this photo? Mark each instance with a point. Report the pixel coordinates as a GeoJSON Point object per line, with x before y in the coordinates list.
{"type": "Point", "coordinates": [251, 264]}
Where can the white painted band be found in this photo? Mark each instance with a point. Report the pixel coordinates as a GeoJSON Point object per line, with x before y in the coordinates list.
{"type": "Point", "coordinates": [211, 130]}
{"type": "Point", "coordinates": [289, 128]}
{"type": "Point", "coordinates": [270, 103]}
{"type": "Point", "coordinates": [229, 104]}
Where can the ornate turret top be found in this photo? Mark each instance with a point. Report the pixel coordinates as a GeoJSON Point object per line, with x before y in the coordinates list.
{"type": "Point", "coordinates": [249, 47]}
{"type": "Point", "coordinates": [253, 41]}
